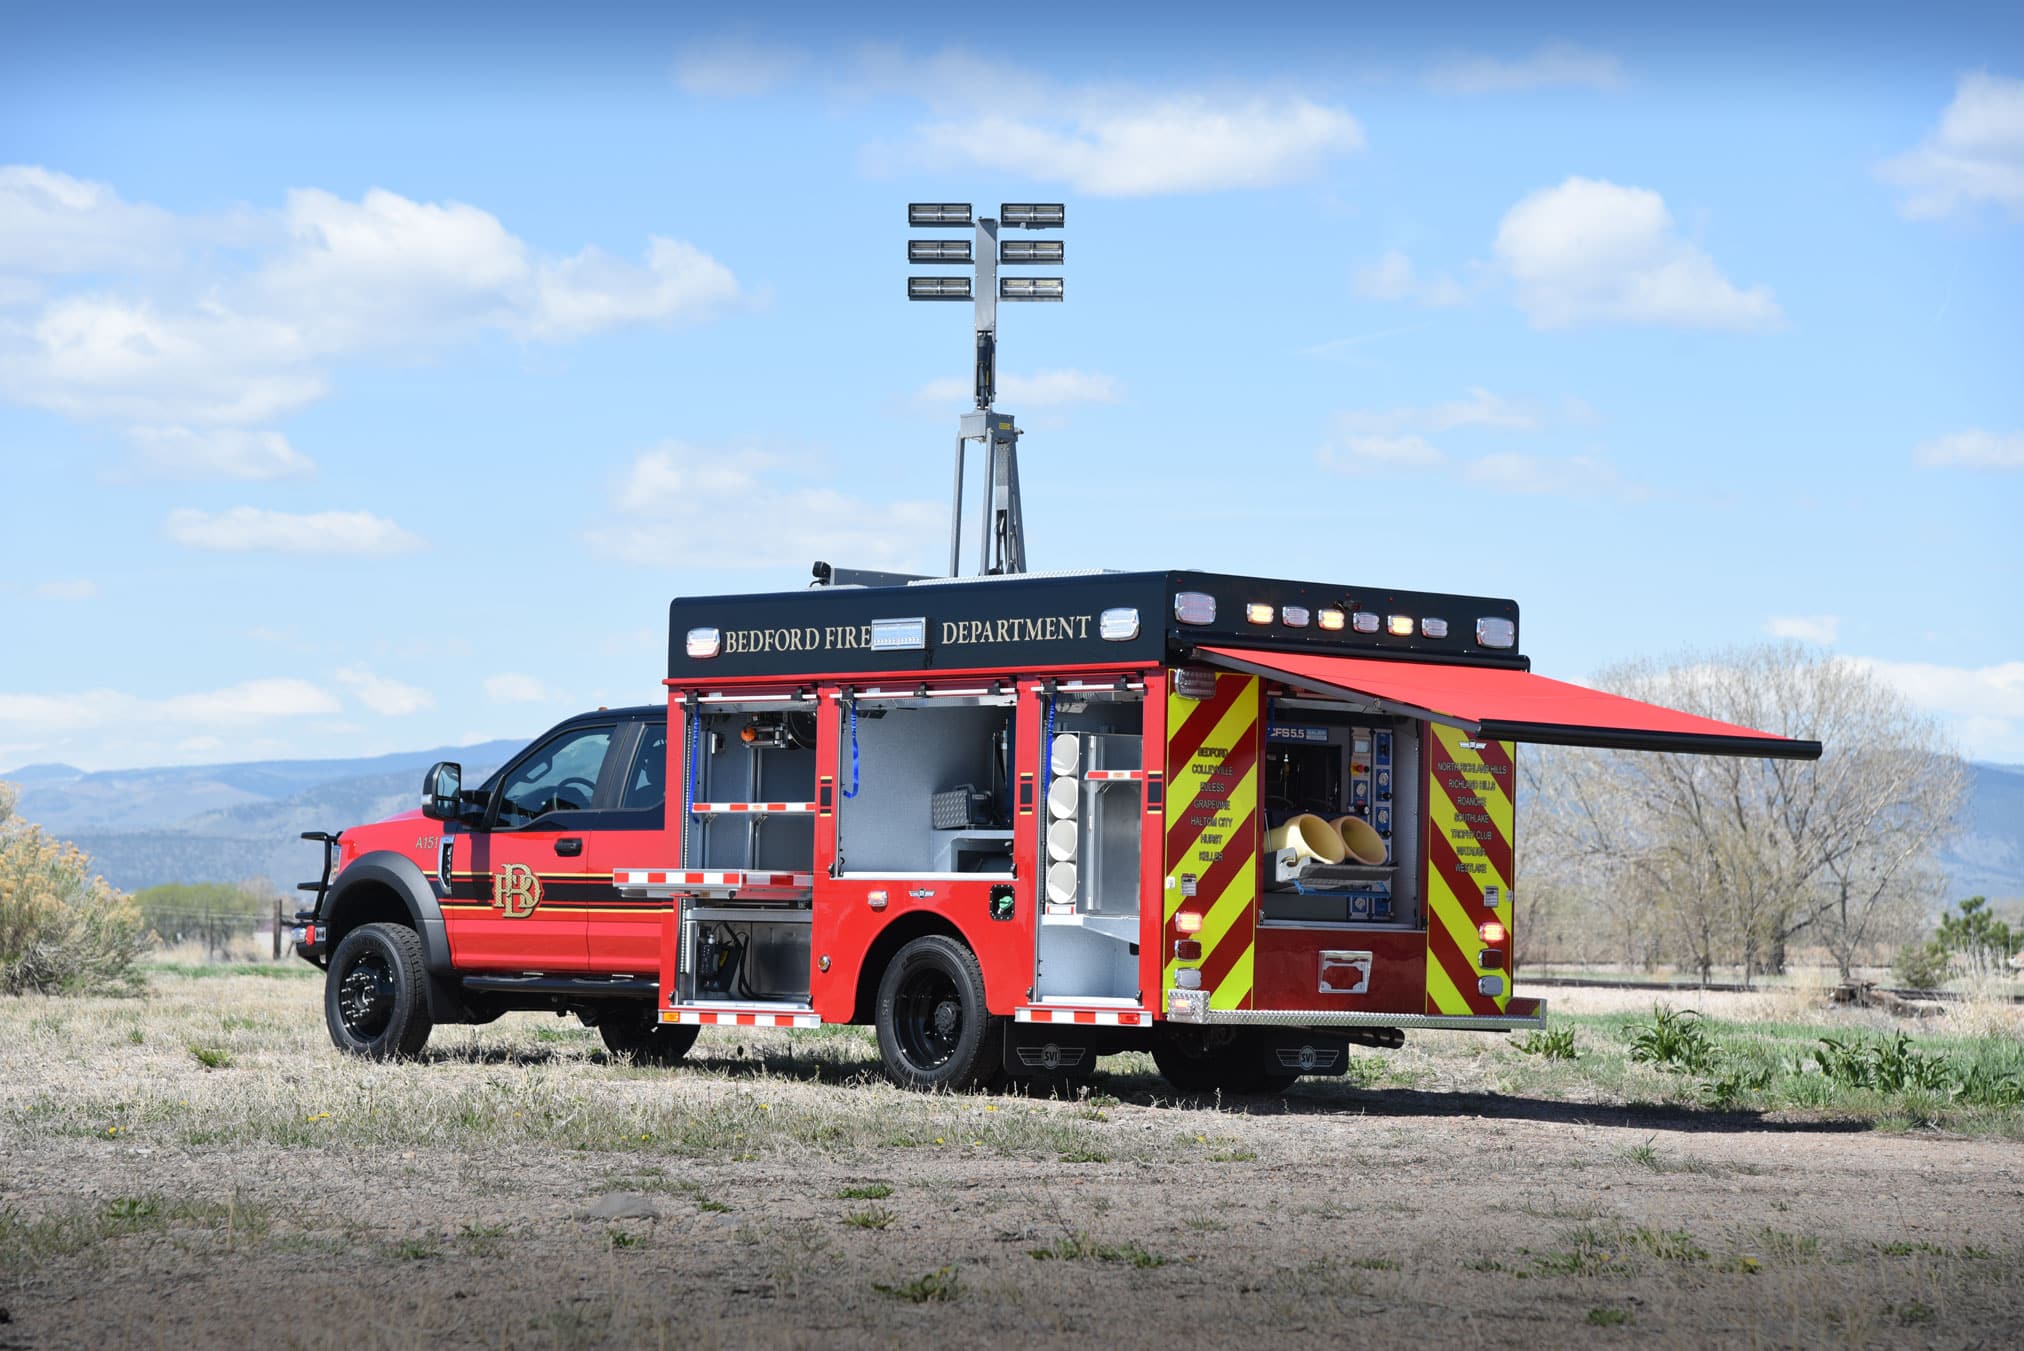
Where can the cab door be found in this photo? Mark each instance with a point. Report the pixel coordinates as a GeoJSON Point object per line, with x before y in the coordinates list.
{"type": "Point", "coordinates": [525, 883]}
{"type": "Point", "coordinates": [625, 935]}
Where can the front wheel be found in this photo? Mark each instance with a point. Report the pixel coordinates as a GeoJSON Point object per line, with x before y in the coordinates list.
{"type": "Point", "coordinates": [933, 1029]}
{"type": "Point", "coordinates": [638, 1032]}
{"type": "Point", "coordinates": [375, 994]}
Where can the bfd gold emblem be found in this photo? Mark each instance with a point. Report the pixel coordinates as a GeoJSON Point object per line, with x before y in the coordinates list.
{"type": "Point", "coordinates": [516, 891]}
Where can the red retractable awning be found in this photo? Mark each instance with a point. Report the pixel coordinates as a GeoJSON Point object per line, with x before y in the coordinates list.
{"type": "Point", "coordinates": [1503, 705]}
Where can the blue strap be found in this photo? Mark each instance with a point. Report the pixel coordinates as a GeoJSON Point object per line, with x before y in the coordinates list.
{"type": "Point", "coordinates": [852, 790]}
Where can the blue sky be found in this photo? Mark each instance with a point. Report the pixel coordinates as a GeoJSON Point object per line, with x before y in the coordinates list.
{"type": "Point", "coordinates": [370, 381]}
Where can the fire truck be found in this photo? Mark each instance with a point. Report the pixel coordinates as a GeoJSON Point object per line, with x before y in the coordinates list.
{"type": "Point", "coordinates": [1013, 822]}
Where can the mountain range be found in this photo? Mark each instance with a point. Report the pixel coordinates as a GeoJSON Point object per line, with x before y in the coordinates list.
{"type": "Point", "coordinates": [233, 823]}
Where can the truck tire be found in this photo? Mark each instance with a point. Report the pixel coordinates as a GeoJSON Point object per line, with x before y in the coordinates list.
{"type": "Point", "coordinates": [375, 994]}
{"type": "Point", "coordinates": [1237, 1066]}
{"type": "Point", "coordinates": [636, 1031]}
{"type": "Point", "coordinates": [933, 1029]}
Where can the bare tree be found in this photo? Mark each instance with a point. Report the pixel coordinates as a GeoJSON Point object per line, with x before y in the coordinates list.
{"type": "Point", "coordinates": [1731, 858]}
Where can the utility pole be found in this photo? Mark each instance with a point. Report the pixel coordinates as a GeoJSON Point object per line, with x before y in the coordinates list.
{"type": "Point", "coordinates": [1002, 546]}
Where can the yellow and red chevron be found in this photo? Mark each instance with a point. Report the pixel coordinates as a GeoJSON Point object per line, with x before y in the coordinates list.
{"type": "Point", "coordinates": [1212, 828]}
{"type": "Point", "coordinates": [1468, 824]}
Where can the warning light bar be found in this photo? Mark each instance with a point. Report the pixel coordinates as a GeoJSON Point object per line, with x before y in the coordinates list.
{"type": "Point", "coordinates": [938, 288]}
{"type": "Point", "coordinates": [1032, 215]}
{"type": "Point", "coordinates": [1030, 251]}
{"type": "Point", "coordinates": [1330, 620]}
{"type": "Point", "coordinates": [1027, 288]}
{"type": "Point", "coordinates": [930, 214]}
{"type": "Point", "coordinates": [938, 251]}
{"type": "Point", "coordinates": [1400, 626]}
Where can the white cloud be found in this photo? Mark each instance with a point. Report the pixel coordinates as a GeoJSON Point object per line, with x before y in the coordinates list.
{"type": "Point", "coordinates": [682, 505]}
{"type": "Point", "coordinates": [1393, 277]}
{"type": "Point", "coordinates": [218, 452]}
{"type": "Point", "coordinates": [82, 588]}
{"type": "Point", "coordinates": [51, 223]}
{"type": "Point", "coordinates": [1590, 251]}
{"type": "Point", "coordinates": [736, 67]}
{"type": "Point", "coordinates": [250, 701]}
{"type": "Point", "coordinates": [511, 687]}
{"type": "Point", "coordinates": [1575, 476]}
{"type": "Point", "coordinates": [253, 529]}
{"type": "Point", "coordinates": [1480, 409]}
{"type": "Point", "coordinates": [1556, 65]}
{"type": "Point", "coordinates": [1974, 449]}
{"type": "Point", "coordinates": [1042, 389]}
{"type": "Point", "coordinates": [1975, 155]}
{"type": "Point", "coordinates": [1410, 451]}
{"type": "Point", "coordinates": [1984, 705]}
{"type": "Point", "coordinates": [1822, 629]}
{"type": "Point", "coordinates": [388, 698]}
{"type": "Point", "coordinates": [1135, 145]}
{"type": "Point", "coordinates": [198, 367]}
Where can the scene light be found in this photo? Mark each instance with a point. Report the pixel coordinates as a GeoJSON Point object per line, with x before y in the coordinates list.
{"type": "Point", "coordinates": [1293, 616]}
{"type": "Point", "coordinates": [931, 214]}
{"type": "Point", "coordinates": [1033, 215]}
{"type": "Point", "coordinates": [938, 288]}
{"type": "Point", "coordinates": [1330, 620]}
{"type": "Point", "coordinates": [1194, 607]}
{"type": "Point", "coordinates": [702, 644]}
{"type": "Point", "coordinates": [1400, 626]}
{"type": "Point", "coordinates": [1029, 288]}
{"type": "Point", "coordinates": [1433, 628]}
{"type": "Point", "coordinates": [1030, 251]}
{"type": "Point", "coordinates": [1363, 621]}
{"type": "Point", "coordinates": [894, 635]}
{"type": "Point", "coordinates": [1496, 633]}
{"type": "Point", "coordinates": [1258, 613]}
{"type": "Point", "coordinates": [938, 251]}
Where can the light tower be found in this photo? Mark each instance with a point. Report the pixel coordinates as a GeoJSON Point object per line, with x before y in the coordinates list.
{"type": "Point", "coordinates": [1004, 530]}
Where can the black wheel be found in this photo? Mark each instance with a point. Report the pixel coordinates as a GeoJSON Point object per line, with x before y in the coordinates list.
{"type": "Point", "coordinates": [1239, 1065]}
{"type": "Point", "coordinates": [933, 1030]}
{"type": "Point", "coordinates": [635, 1030]}
{"type": "Point", "coordinates": [375, 995]}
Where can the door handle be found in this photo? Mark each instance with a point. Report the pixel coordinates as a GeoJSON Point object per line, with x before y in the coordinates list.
{"type": "Point", "coordinates": [569, 848]}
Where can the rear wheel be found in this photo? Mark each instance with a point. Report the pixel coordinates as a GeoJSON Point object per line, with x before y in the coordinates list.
{"type": "Point", "coordinates": [636, 1031]}
{"type": "Point", "coordinates": [375, 994]}
{"type": "Point", "coordinates": [933, 1029]}
{"type": "Point", "coordinates": [1239, 1065]}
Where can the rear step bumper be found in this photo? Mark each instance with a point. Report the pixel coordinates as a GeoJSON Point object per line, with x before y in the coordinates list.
{"type": "Point", "coordinates": [1179, 1011]}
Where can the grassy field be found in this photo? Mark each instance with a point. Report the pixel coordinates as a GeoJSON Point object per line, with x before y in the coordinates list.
{"type": "Point", "coordinates": [198, 1165]}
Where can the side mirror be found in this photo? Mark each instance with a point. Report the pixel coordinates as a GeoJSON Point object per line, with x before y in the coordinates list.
{"type": "Point", "coordinates": [443, 791]}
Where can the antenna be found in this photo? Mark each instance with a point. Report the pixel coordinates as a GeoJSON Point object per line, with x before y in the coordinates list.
{"type": "Point", "coordinates": [1003, 528]}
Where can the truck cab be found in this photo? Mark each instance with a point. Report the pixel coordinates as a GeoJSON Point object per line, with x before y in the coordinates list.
{"type": "Point", "coordinates": [498, 898]}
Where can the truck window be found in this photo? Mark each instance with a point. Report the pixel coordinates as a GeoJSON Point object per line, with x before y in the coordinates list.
{"type": "Point", "coordinates": [647, 784]}
{"type": "Point", "coordinates": [560, 776]}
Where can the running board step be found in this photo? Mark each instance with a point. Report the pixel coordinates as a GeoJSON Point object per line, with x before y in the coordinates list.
{"type": "Point", "coordinates": [576, 985]}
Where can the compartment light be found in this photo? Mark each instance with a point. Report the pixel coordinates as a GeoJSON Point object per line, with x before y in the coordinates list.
{"type": "Point", "coordinates": [1399, 626]}
{"type": "Point", "coordinates": [1363, 621]}
{"type": "Point", "coordinates": [1194, 607]}
{"type": "Point", "coordinates": [1491, 931]}
{"type": "Point", "coordinates": [922, 215]}
{"type": "Point", "coordinates": [938, 288]}
{"type": "Point", "coordinates": [1258, 613]}
{"type": "Point", "coordinates": [1331, 620]}
{"type": "Point", "coordinates": [1027, 288]}
{"type": "Point", "coordinates": [1433, 628]}
{"type": "Point", "coordinates": [899, 635]}
{"type": "Point", "coordinates": [704, 643]}
{"type": "Point", "coordinates": [1496, 633]}
{"type": "Point", "coordinates": [1188, 922]}
{"type": "Point", "coordinates": [1033, 215]}
{"type": "Point", "coordinates": [1120, 625]}
{"type": "Point", "coordinates": [1031, 251]}
{"type": "Point", "coordinates": [938, 251]}
{"type": "Point", "coordinates": [1293, 616]}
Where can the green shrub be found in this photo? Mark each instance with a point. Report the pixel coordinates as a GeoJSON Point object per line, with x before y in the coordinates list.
{"type": "Point", "coordinates": [1551, 1044]}
{"type": "Point", "coordinates": [1673, 1040]}
{"type": "Point", "coordinates": [62, 930]}
{"type": "Point", "coordinates": [1921, 966]}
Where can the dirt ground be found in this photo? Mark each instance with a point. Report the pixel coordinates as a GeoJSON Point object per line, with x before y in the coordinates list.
{"type": "Point", "coordinates": [200, 1168]}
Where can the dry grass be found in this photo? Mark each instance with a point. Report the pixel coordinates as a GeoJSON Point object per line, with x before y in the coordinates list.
{"type": "Point", "coordinates": [521, 1187]}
